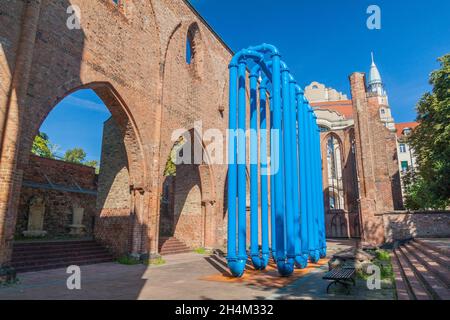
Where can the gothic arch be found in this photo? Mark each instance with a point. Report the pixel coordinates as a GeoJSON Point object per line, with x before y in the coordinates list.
{"type": "Point", "coordinates": [132, 219]}
{"type": "Point", "coordinates": [119, 111]}
{"type": "Point", "coordinates": [333, 162]}
{"type": "Point", "coordinates": [193, 188]}
{"type": "Point", "coordinates": [194, 37]}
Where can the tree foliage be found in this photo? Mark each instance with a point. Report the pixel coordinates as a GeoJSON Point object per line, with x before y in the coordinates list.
{"type": "Point", "coordinates": [93, 164]}
{"type": "Point", "coordinates": [75, 155]}
{"type": "Point", "coordinates": [429, 185]}
{"type": "Point", "coordinates": [42, 146]}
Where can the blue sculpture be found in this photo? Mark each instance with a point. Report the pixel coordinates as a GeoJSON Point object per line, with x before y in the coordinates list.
{"type": "Point", "coordinates": [293, 167]}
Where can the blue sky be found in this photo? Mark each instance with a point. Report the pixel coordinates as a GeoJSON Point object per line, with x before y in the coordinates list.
{"type": "Point", "coordinates": [77, 121]}
{"type": "Point", "coordinates": [323, 40]}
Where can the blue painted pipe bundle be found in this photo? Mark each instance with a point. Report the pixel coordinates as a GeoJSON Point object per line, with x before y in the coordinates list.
{"type": "Point", "coordinates": [285, 155]}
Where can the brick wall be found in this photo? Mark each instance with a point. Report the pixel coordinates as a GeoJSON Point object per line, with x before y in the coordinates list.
{"type": "Point", "coordinates": [143, 80]}
{"type": "Point", "coordinates": [402, 225]}
{"type": "Point", "coordinates": [377, 164]}
{"type": "Point", "coordinates": [188, 213]}
{"type": "Point", "coordinates": [114, 199]}
{"type": "Point", "coordinates": [58, 183]}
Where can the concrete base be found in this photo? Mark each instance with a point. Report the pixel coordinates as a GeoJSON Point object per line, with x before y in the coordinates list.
{"type": "Point", "coordinates": [34, 233]}
{"type": "Point", "coordinates": [77, 230]}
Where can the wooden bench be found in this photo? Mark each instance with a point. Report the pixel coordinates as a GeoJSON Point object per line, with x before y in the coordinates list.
{"type": "Point", "coordinates": [343, 276]}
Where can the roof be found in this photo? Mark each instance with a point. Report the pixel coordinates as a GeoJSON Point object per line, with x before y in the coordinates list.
{"type": "Point", "coordinates": [343, 107]}
{"type": "Point", "coordinates": [403, 125]}
{"type": "Point", "coordinates": [194, 11]}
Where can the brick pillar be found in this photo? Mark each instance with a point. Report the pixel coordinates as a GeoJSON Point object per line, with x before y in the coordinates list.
{"type": "Point", "coordinates": [372, 229]}
{"type": "Point", "coordinates": [10, 175]}
{"type": "Point", "coordinates": [210, 223]}
{"type": "Point", "coordinates": [140, 227]}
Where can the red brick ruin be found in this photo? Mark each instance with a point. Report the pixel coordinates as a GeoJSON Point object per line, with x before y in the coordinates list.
{"type": "Point", "coordinates": [133, 57]}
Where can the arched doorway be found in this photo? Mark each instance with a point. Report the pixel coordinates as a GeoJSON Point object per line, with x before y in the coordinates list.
{"type": "Point", "coordinates": [110, 205]}
{"type": "Point", "coordinates": [188, 205]}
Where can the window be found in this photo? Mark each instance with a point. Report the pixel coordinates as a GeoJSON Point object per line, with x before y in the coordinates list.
{"type": "Point", "coordinates": [332, 202]}
{"type": "Point", "coordinates": [383, 111]}
{"type": "Point", "coordinates": [315, 87]}
{"type": "Point", "coordinates": [334, 165]}
{"type": "Point", "coordinates": [405, 166]}
{"type": "Point", "coordinates": [324, 129]}
{"type": "Point", "coordinates": [402, 148]}
{"type": "Point", "coordinates": [116, 1]}
{"type": "Point", "coordinates": [188, 50]}
{"type": "Point", "coordinates": [407, 131]}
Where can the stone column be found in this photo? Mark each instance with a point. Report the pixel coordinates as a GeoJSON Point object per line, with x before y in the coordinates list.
{"type": "Point", "coordinates": [10, 175]}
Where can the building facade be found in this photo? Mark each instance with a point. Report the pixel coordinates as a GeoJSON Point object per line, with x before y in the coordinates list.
{"type": "Point", "coordinates": [342, 174]}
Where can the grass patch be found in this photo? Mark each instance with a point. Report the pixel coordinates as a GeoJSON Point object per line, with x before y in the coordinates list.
{"type": "Point", "coordinates": [383, 261]}
{"type": "Point", "coordinates": [8, 284]}
{"type": "Point", "coordinates": [201, 251]}
{"type": "Point", "coordinates": [128, 260]}
{"type": "Point", "coordinates": [156, 262]}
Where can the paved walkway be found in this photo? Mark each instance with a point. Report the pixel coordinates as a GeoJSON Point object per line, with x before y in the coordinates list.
{"type": "Point", "coordinates": [184, 276]}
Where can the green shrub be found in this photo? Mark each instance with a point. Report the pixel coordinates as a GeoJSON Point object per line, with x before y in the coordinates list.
{"type": "Point", "coordinates": [156, 261]}
{"type": "Point", "coordinates": [383, 255]}
{"type": "Point", "coordinates": [201, 251]}
{"type": "Point", "coordinates": [128, 260]}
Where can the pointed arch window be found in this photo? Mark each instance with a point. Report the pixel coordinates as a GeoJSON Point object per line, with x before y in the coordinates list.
{"type": "Point", "coordinates": [189, 51]}
{"type": "Point", "coordinates": [335, 183]}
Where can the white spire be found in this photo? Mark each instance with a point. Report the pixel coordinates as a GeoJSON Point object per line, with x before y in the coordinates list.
{"type": "Point", "coordinates": [374, 75]}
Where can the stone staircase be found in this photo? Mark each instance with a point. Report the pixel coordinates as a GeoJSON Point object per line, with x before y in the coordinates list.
{"type": "Point", "coordinates": [171, 245]}
{"type": "Point", "coordinates": [422, 270]}
{"type": "Point", "coordinates": [35, 256]}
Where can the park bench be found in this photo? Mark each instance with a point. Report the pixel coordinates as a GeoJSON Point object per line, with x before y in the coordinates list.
{"type": "Point", "coordinates": [343, 276]}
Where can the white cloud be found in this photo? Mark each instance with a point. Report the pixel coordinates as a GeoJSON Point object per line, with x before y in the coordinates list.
{"type": "Point", "coordinates": [86, 104]}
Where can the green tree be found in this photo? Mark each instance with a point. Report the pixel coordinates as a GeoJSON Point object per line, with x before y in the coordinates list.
{"type": "Point", "coordinates": [94, 164]}
{"type": "Point", "coordinates": [42, 146]}
{"type": "Point", "coordinates": [75, 155]}
{"type": "Point", "coordinates": [429, 185]}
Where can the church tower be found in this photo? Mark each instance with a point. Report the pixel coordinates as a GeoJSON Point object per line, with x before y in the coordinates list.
{"type": "Point", "coordinates": [375, 88]}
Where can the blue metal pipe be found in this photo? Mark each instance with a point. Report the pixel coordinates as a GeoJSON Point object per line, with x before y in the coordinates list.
{"type": "Point", "coordinates": [308, 189]}
{"type": "Point", "coordinates": [264, 177]}
{"type": "Point", "coordinates": [297, 226]}
{"type": "Point", "coordinates": [242, 177]}
{"type": "Point", "coordinates": [314, 249]}
{"type": "Point", "coordinates": [285, 263]}
{"type": "Point", "coordinates": [300, 260]}
{"type": "Point", "coordinates": [254, 232]}
{"type": "Point", "coordinates": [302, 146]}
{"type": "Point", "coordinates": [236, 264]}
{"type": "Point", "coordinates": [272, 187]}
{"type": "Point", "coordinates": [320, 200]}
{"type": "Point", "coordinates": [258, 262]}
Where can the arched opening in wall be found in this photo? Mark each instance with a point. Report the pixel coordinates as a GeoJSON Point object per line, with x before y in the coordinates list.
{"type": "Point", "coordinates": [334, 170]}
{"type": "Point", "coordinates": [187, 210]}
{"type": "Point", "coordinates": [84, 157]}
{"type": "Point", "coordinates": [194, 49]}
{"type": "Point", "coordinates": [189, 52]}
